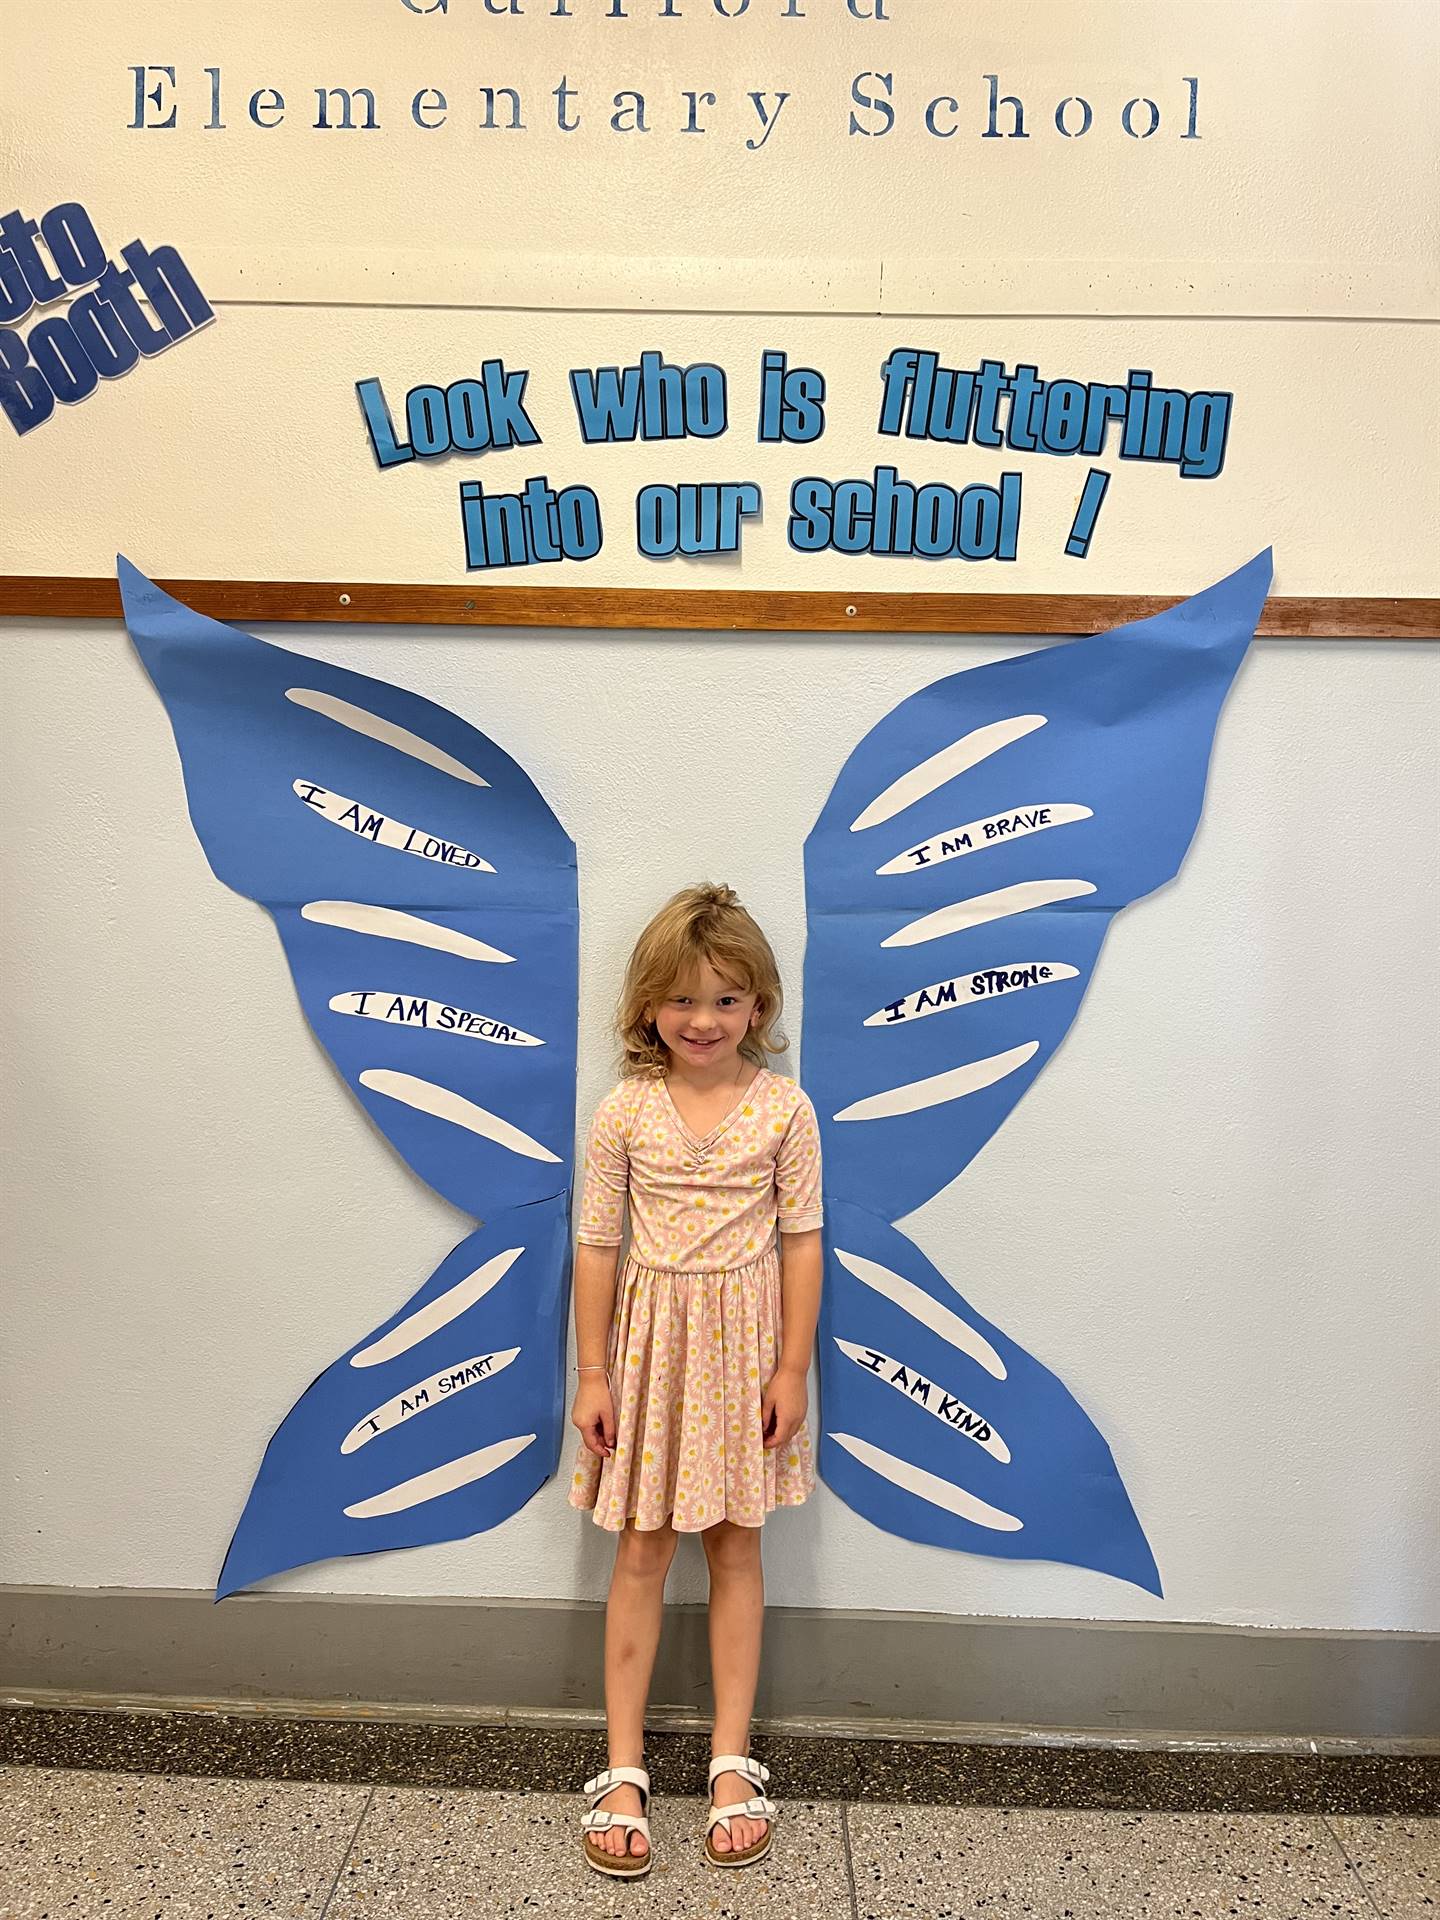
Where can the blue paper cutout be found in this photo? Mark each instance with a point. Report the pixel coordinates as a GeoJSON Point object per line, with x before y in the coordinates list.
{"type": "Point", "coordinates": [426, 898]}
{"type": "Point", "coordinates": [1004, 1439]}
{"type": "Point", "coordinates": [1016, 808]}
{"type": "Point", "coordinates": [478, 1394]}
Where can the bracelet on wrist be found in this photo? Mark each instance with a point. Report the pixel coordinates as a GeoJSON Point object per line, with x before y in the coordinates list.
{"type": "Point", "coordinates": [597, 1368]}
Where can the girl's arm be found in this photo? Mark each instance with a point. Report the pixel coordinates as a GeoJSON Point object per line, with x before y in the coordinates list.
{"type": "Point", "coordinates": [786, 1397]}
{"type": "Point", "coordinates": [603, 1200]}
{"type": "Point", "coordinates": [594, 1409]}
{"type": "Point", "coordinates": [594, 1301]}
{"type": "Point", "coordinates": [799, 1299]}
{"type": "Point", "coordinates": [798, 1209]}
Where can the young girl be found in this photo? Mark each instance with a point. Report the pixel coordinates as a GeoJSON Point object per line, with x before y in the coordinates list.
{"type": "Point", "coordinates": [692, 1389]}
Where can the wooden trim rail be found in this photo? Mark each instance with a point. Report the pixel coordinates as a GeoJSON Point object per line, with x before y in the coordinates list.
{"type": "Point", "coordinates": [367, 603]}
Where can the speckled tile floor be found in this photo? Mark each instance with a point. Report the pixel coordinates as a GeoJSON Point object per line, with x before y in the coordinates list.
{"type": "Point", "coordinates": [154, 1846]}
{"type": "Point", "coordinates": [514, 1757]}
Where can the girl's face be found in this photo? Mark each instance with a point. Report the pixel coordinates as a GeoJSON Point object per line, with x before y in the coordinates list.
{"type": "Point", "coordinates": [703, 1019]}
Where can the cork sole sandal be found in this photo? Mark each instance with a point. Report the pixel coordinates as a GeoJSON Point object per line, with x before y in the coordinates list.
{"type": "Point", "coordinates": [758, 1807]}
{"type": "Point", "coordinates": [619, 1866]}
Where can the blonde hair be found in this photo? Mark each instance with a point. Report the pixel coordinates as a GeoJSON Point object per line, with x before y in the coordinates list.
{"type": "Point", "coordinates": [705, 922]}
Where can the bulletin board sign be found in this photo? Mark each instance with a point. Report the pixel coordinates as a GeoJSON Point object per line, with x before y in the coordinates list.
{"type": "Point", "coordinates": [819, 313]}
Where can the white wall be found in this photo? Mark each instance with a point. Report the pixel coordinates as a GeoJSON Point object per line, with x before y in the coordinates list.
{"type": "Point", "coordinates": [1215, 1214]}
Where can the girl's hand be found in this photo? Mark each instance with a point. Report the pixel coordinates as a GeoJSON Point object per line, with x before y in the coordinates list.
{"type": "Point", "coordinates": [782, 1408]}
{"type": "Point", "coordinates": [594, 1413]}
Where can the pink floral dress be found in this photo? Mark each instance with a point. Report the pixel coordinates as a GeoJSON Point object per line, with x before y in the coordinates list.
{"type": "Point", "coordinates": [696, 1330]}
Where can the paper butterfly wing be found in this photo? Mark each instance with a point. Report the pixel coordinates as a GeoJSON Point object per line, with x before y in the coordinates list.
{"type": "Point", "coordinates": [963, 873]}
{"type": "Point", "coordinates": [960, 881]}
{"type": "Point", "coordinates": [438, 1424]}
{"type": "Point", "coordinates": [424, 891]}
{"type": "Point", "coordinates": [426, 897]}
{"type": "Point", "coordinates": [939, 1428]}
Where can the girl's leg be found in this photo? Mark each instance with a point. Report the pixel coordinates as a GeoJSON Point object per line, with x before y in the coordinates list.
{"type": "Point", "coordinates": [632, 1633]}
{"type": "Point", "coordinates": [737, 1620]}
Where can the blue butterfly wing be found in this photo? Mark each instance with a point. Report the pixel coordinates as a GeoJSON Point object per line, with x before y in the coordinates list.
{"type": "Point", "coordinates": [960, 882]}
{"type": "Point", "coordinates": [440, 1423]}
{"type": "Point", "coordinates": [939, 1428]}
{"type": "Point", "coordinates": [357, 812]}
{"type": "Point", "coordinates": [425, 895]}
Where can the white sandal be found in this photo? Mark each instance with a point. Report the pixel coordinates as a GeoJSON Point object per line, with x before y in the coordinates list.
{"type": "Point", "coordinates": [758, 1807]}
{"type": "Point", "coordinates": [620, 1866]}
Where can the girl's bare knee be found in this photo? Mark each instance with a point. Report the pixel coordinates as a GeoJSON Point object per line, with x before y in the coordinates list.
{"type": "Point", "coordinates": [646, 1552]}
{"type": "Point", "coordinates": [727, 1545]}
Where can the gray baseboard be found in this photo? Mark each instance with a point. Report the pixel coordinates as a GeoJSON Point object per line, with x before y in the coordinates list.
{"type": "Point", "coordinates": [1127, 1679]}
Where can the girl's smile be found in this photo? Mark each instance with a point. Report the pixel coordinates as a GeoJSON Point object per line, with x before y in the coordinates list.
{"type": "Point", "coordinates": [703, 1020]}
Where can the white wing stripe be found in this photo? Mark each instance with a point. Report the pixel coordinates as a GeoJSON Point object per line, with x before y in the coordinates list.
{"type": "Point", "coordinates": [983, 907]}
{"type": "Point", "coordinates": [425, 1394]}
{"type": "Point", "coordinates": [957, 758]}
{"type": "Point", "coordinates": [382, 830]}
{"type": "Point", "coordinates": [438, 1312]}
{"type": "Point", "coordinates": [389, 923]}
{"type": "Point", "coordinates": [916, 1095]}
{"type": "Point", "coordinates": [445, 1104]}
{"type": "Point", "coordinates": [429, 1016]}
{"type": "Point", "coordinates": [971, 990]}
{"type": "Point", "coordinates": [375, 727]}
{"type": "Point", "coordinates": [918, 1304]}
{"type": "Point", "coordinates": [995, 830]}
{"type": "Point", "coordinates": [439, 1480]}
{"type": "Point", "coordinates": [929, 1486]}
{"type": "Point", "coordinates": [912, 1385]}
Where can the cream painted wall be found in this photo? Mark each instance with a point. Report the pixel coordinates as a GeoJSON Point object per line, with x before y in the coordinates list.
{"type": "Point", "coordinates": [1304, 189]}
{"type": "Point", "coordinates": [1215, 1214]}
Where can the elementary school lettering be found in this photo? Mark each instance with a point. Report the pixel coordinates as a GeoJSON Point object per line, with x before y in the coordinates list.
{"type": "Point", "coordinates": [873, 104]}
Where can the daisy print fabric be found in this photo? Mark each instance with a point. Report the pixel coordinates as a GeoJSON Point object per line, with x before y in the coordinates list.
{"type": "Point", "coordinates": [697, 1325]}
